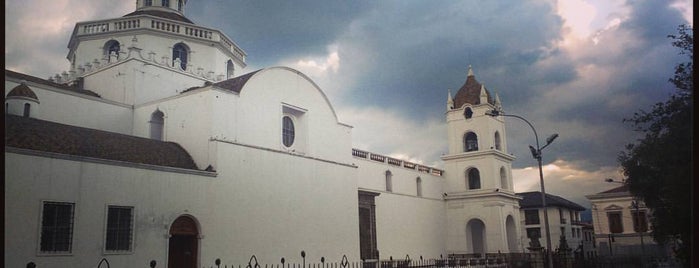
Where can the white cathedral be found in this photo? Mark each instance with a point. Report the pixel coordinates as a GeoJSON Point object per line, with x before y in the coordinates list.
{"type": "Point", "coordinates": [154, 147]}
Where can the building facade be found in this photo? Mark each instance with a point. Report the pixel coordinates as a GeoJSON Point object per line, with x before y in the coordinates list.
{"type": "Point", "coordinates": [158, 146]}
{"type": "Point", "coordinates": [563, 216]}
{"type": "Point", "coordinates": [621, 225]}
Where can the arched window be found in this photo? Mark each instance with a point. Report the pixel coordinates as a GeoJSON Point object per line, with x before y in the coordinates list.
{"type": "Point", "coordinates": [288, 131]}
{"type": "Point", "coordinates": [470, 142]}
{"type": "Point", "coordinates": [389, 181]}
{"type": "Point", "coordinates": [157, 120]}
{"type": "Point", "coordinates": [180, 51]}
{"type": "Point", "coordinates": [111, 48]}
{"type": "Point", "coordinates": [147, 3]}
{"type": "Point", "coordinates": [474, 179]}
{"type": "Point", "coordinates": [180, 5]}
{"type": "Point", "coordinates": [468, 113]}
{"type": "Point", "coordinates": [418, 184]}
{"type": "Point", "coordinates": [503, 178]}
{"type": "Point", "coordinates": [230, 68]}
{"type": "Point", "coordinates": [27, 108]}
{"type": "Point", "coordinates": [497, 141]}
{"type": "Point", "coordinates": [166, 3]}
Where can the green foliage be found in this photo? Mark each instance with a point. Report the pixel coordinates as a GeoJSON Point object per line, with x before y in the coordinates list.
{"type": "Point", "coordinates": [658, 166]}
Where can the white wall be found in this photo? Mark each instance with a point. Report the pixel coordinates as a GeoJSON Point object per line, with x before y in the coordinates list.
{"type": "Point", "coordinates": [405, 223]}
{"type": "Point", "coordinates": [66, 107]}
{"type": "Point", "coordinates": [260, 110]}
{"type": "Point", "coordinates": [137, 82]}
{"type": "Point", "coordinates": [249, 208]}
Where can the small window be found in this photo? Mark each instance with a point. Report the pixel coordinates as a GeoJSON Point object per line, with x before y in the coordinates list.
{"type": "Point", "coordinates": [288, 131]}
{"type": "Point", "coordinates": [470, 142]}
{"type": "Point", "coordinates": [119, 228]}
{"type": "Point", "coordinates": [112, 47]}
{"type": "Point", "coordinates": [418, 183]}
{"type": "Point", "coordinates": [615, 224]}
{"type": "Point", "coordinates": [497, 141]}
{"type": "Point", "coordinates": [468, 113]}
{"type": "Point", "coordinates": [27, 110]}
{"type": "Point", "coordinates": [640, 223]}
{"type": "Point", "coordinates": [531, 216]}
{"type": "Point", "coordinates": [533, 233]}
{"type": "Point", "coordinates": [180, 5]}
{"type": "Point", "coordinates": [157, 122]}
{"type": "Point", "coordinates": [474, 179]}
{"type": "Point", "coordinates": [389, 181]}
{"type": "Point", "coordinates": [503, 178]}
{"type": "Point", "coordinates": [180, 51]}
{"type": "Point", "coordinates": [230, 69]}
{"type": "Point", "coordinates": [56, 227]}
{"type": "Point", "coordinates": [147, 3]}
{"type": "Point", "coordinates": [166, 3]}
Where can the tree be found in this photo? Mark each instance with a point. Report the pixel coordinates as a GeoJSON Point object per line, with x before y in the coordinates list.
{"type": "Point", "coordinates": [658, 167]}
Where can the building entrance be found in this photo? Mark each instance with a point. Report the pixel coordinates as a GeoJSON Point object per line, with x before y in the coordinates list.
{"type": "Point", "coordinates": [184, 243]}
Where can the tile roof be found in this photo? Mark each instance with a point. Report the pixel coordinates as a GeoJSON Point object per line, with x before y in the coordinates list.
{"type": "Point", "coordinates": [161, 14]}
{"type": "Point", "coordinates": [22, 91]}
{"type": "Point", "coordinates": [40, 135]}
{"type": "Point", "coordinates": [620, 189]}
{"type": "Point", "coordinates": [533, 200]}
{"type": "Point", "coordinates": [235, 84]}
{"type": "Point", "coordinates": [470, 92]}
{"type": "Point", "coordinates": [37, 80]}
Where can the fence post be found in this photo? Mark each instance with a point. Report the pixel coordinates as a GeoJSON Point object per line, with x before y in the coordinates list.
{"type": "Point", "coordinates": [31, 265]}
{"type": "Point", "coordinates": [153, 263]}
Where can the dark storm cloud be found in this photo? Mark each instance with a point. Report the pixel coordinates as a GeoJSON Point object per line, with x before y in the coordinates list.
{"type": "Point", "coordinates": [270, 30]}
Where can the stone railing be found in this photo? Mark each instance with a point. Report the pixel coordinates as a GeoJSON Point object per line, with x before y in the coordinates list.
{"type": "Point", "coordinates": [396, 162]}
{"type": "Point", "coordinates": [159, 24]}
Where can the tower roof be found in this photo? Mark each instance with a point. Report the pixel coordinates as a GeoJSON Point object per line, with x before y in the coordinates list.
{"type": "Point", "coordinates": [22, 91]}
{"type": "Point", "coordinates": [470, 92]}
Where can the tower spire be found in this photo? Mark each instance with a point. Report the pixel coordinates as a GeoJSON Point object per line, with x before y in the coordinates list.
{"type": "Point", "coordinates": [470, 70]}
{"type": "Point", "coordinates": [450, 101]}
{"type": "Point", "coordinates": [484, 95]}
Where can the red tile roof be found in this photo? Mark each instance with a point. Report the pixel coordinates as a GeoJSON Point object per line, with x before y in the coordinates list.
{"type": "Point", "coordinates": [40, 135]}
{"type": "Point", "coordinates": [235, 84]}
{"type": "Point", "coordinates": [22, 91]}
{"type": "Point", "coordinates": [470, 92]}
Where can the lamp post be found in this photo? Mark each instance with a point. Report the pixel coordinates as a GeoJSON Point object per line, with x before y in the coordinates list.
{"type": "Point", "coordinates": [536, 153]}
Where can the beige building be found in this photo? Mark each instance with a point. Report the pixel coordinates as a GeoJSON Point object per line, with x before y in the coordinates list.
{"type": "Point", "coordinates": [622, 222]}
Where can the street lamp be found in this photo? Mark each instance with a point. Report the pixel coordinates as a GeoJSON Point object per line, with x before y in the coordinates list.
{"type": "Point", "coordinates": [536, 153]}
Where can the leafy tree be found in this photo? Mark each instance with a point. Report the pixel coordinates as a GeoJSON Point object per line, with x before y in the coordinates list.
{"type": "Point", "coordinates": [658, 167]}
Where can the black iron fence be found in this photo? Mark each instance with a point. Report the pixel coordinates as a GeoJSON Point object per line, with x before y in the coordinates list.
{"type": "Point", "coordinates": [495, 260]}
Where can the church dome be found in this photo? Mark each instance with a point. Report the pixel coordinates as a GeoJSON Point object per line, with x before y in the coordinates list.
{"type": "Point", "coordinates": [470, 92]}
{"type": "Point", "coordinates": [172, 10]}
{"type": "Point", "coordinates": [22, 91]}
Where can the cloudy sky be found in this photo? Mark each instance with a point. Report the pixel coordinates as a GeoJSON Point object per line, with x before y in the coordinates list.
{"type": "Point", "coordinates": [573, 67]}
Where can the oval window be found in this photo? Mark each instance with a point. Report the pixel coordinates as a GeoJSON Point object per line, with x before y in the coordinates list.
{"type": "Point", "coordinates": [287, 131]}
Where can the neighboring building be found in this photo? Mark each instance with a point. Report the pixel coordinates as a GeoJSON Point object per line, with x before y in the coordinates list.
{"type": "Point", "coordinates": [588, 247]}
{"type": "Point", "coordinates": [563, 215]}
{"type": "Point", "coordinates": [155, 147]}
{"type": "Point", "coordinates": [623, 222]}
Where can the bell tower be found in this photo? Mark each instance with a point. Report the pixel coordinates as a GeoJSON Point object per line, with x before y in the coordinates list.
{"type": "Point", "coordinates": [482, 208]}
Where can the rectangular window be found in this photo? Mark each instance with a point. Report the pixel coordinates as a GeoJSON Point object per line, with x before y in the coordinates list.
{"type": "Point", "coordinates": [119, 228]}
{"type": "Point", "coordinates": [640, 223]}
{"type": "Point", "coordinates": [533, 233]}
{"type": "Point", "coordinates": [615, 224]}
{"type": "Point", "coordinates": [531, 216]}
{"type": "Point", "coordinates": [56, 227]}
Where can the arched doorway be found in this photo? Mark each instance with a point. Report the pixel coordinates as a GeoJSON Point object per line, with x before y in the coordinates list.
{"type": "Point", "coordinates": [475, 233]}
{"type": "Point", "coordinates": [183, 244]}
{"type": "Point", "coordinates": [511, 234]}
